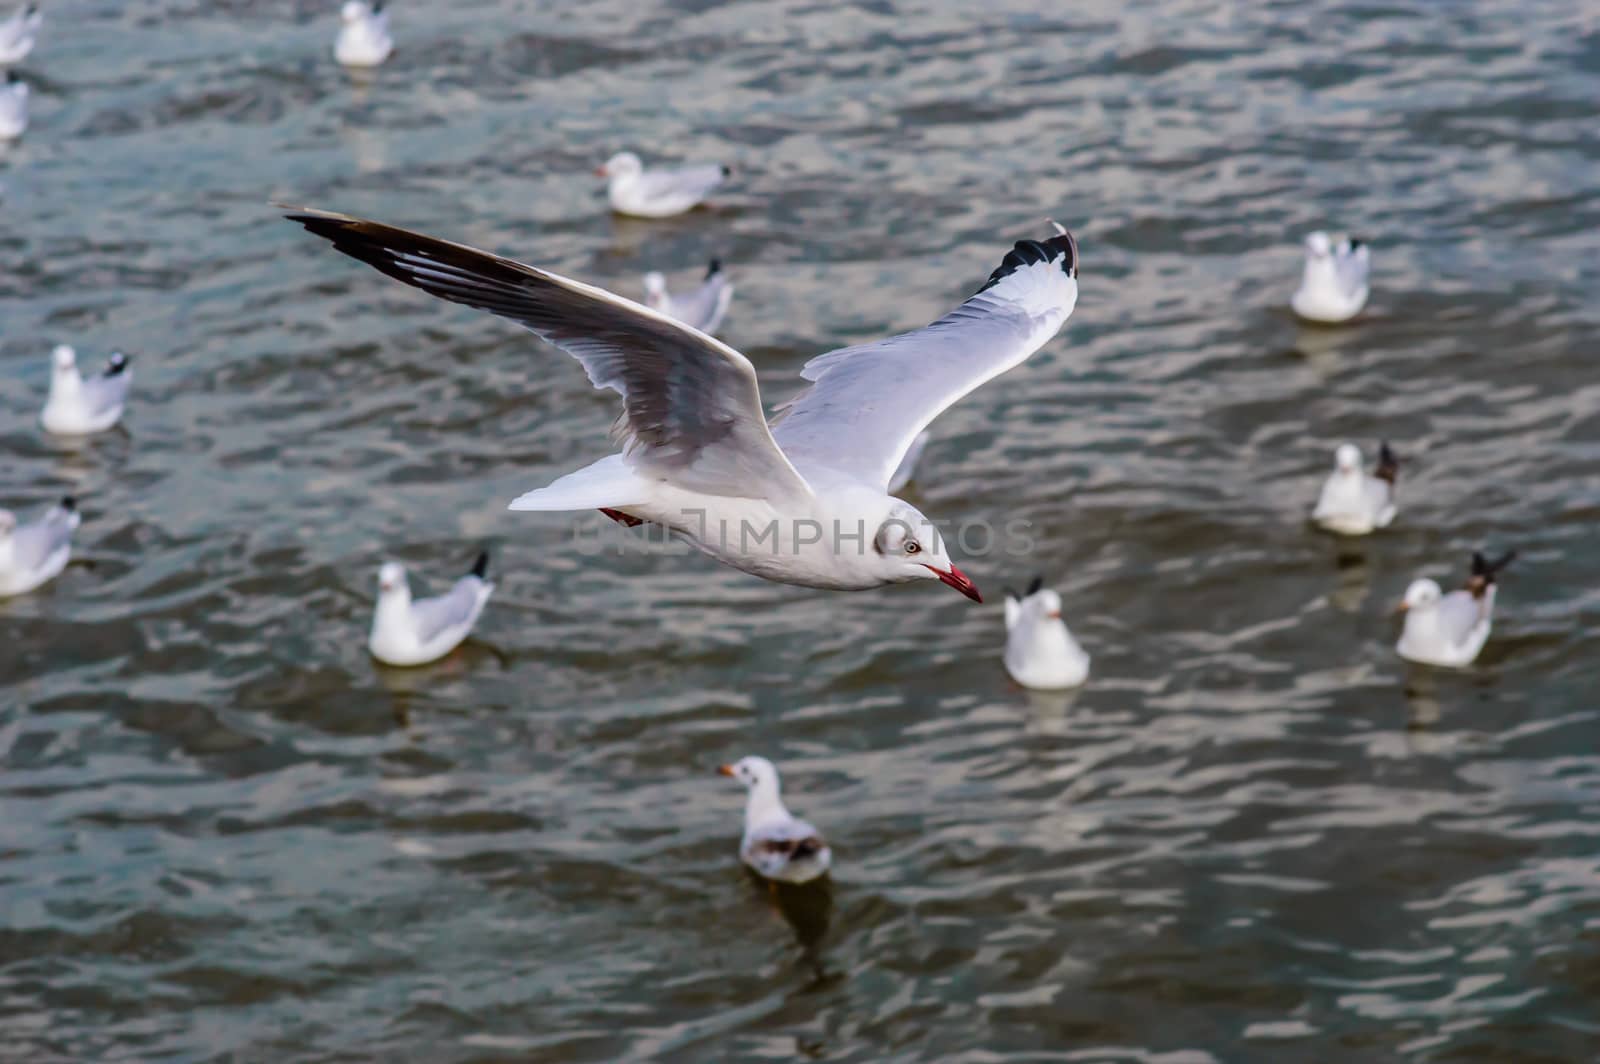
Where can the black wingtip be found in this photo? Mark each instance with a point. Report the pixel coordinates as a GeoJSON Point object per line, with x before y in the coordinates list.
{"type": "Point", "coordinates": [12, 77]}
{"type": "Point", "coordinates": [727, 171]}
{"type": "Point", "coordinates": [480, 568]}
{"type": "Point", "coordinates": [1388, 463]}
{"type": "Point", "coordinates": [69, 503]}
{"type": "Point", "coordinates": [713, 268]}
{"type": "Point", "coordinates": [1356, 243]}
{"type": "Point", "coordinates": [30, 11]}
{"type": "Point", "coordinates": [377, 7]}
{"type": "Point", "coordinates": [119, 363]}
{"type": "Point", "coordinates": [1483, 567]}
{"type": "Point", "coordinates": [1061, 249]}
{"type": "Point", "coordinates": [1034, 586]}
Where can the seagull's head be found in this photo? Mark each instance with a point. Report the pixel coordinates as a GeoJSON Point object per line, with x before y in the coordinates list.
{"type": "Point", "coordinates": [753, 772]}
{"type": "Point", "coordinates": [354, 11]}
{"type": "Point", "coordinates": [1318, 245]}
{"type": "Point", "coordinates": [655, 288]}
{"type": "Point", "coordinates": [1347, 459]}
{"type": "Point", "coordinates": [63, 358]}
{"type": "Point", "coordinates": [392, 579]}
{"type": "Point", "coordinates": [907, 546]}
{"type": "Point", "coordinates": [622, 164]}
{"type": "Point", "coordinates": [1421, 594]}
{"type": "Point", "coordinates": [1044, 604]}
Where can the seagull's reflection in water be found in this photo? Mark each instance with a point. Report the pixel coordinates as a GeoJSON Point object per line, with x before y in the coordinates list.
{"type": "Point", "coordinates": [808, 910]}
{"type": "Point", "coordinates": [407, 683]}
{"type": "Point", "coordinates": [1355, 579]}
{"type": "Point", "coordinates": [1048, 710]}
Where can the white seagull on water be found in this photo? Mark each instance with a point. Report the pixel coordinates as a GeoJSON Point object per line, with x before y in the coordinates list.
{"type": "Point", "coordinates": [407, 631]}
{"type": "Point", "coordinates": [658, 193]}
{"type": "Point", "coordinates": [702, 309]}
{"type": "Point", "coordinates": [801, 501]}
{"type": "Point", "coordinates": [79, 405]}
{"type": "Point", "coordinates": [1451, 629]}
{"type": "Point", "coordinates": [34, 553]}
{"type": "Point", "coordinates": [1333, 287]}
{"type": "Point", "coordinates": [18, 34]}
{"type": "Point", "coordinates": [1353, 503]}
{"type": "Point", "coordinates": [364, 39]}
{"type": "Point", "coordinates": [776, 843]}
{"type": "Point", "coordinates": [1040, 651]}
{"type": "Point", "coordinates": [13, 106]}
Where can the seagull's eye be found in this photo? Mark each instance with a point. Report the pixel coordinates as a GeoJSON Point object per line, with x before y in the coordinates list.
{"type": "Point", "coordinates": [913, 547]}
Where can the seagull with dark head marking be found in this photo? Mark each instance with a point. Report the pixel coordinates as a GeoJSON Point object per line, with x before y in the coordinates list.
{"type": "Point", "coordinates": [1333, 285]}
{"type": "Point", "coordinates": [409, 631]}
{"type": "Point", "coordinates": [1354, 503]}
{"type": "Point", "coordinates": [800, 500]}
{"type": "Point", "coordinates": [79, 405]}
{"type": "Point", "coordinates": [364, 39]}
{"type": "Point", "coordinates": [35, 553]}
{"type": "Point", "coordinates": [702, 309]}
{"type": "Point", "coordinates": [1450, 630]}
{"type": "Point", "coordinates": [1040, 651]}
{"type": "Point", "coordinates": [776, 844]}
{"type": "Point", "coordinates": [19, 33]}
{"type": "Point", "coordinates": [660, 192]}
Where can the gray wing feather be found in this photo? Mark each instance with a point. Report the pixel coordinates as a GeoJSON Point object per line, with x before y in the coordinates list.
{"type": "Point", "coordinates": [704, 307]}
{"type": "Point", "coordinates": [105, 393]}
{"type": "Point", "coordinates": [455, 607]}
{"type": "Point", "coordinates": [1459, 614]}
{"type": "Point", "coordinates": [691, 407]}
{"type": "Point", "coordinates": [35, 542]}
{"type": "Point", "coordinates": [694, 181]}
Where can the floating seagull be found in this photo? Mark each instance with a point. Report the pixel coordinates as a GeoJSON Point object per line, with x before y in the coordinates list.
{"type": "Point", "coordinates": [1353, 503]}
{"type": "Point", "coordinates": [908, 465]}
{"type": "Point", "coordinates": [1451, 629]}
{"type": "Point", "coordinates": [407, 631]}
{"type": "Point", "coordinates": [1334, 285]}
{"type": "Point", "coordinates": [1040, 652]}
{"type": "Point", "coordinates": [364, 39]}
{"type": "Point", "coordinates": [78, 406]}
{"type": "Point", "coordinates": [13, 106]}
{"type": "Point", "coordinates": [803, 501]}
{"type": "Point", "coordinates": [18, 34]}
{"type": "Point", "coordinates": [701, 309]}
{"type": "Point", "coordinates": [657, 193]}
{"type": "Point", "coordinates": [776, 844]}
{"type": "Point", "coordinates": [34, 553]}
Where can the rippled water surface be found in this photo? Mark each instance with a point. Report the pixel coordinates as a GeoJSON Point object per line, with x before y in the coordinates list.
{"type": "Point", "coordinates": [1254, 836]}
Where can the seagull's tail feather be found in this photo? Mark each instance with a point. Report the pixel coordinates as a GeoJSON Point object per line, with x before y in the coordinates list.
{"type": "Point", "coordinates": [1388, 465]}
{"type": "Point", "coordinates": [610, 483]}
{"type": "Point", "coordinates": [1484, 571]}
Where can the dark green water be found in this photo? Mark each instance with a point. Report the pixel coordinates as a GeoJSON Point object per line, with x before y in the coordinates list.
{"type": "Point", "coordinates": [1254, 836]}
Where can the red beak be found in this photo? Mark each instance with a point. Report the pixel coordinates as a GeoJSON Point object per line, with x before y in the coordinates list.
{"type": "Point", "coordinates": [599, 171]}
{"type": "Point", "coordinates": [958, 580]}
{"type": "Point", "coordinates": [725, 770]}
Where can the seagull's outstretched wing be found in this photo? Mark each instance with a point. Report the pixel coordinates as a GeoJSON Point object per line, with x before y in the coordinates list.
{"type": "Point", "coordinates": [691, 408]}
{"type": "Point", "coordinates": [868, 403]}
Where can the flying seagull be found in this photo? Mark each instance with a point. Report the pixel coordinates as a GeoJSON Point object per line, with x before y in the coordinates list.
{"type": "Point", "coordinates": [802, 500]}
